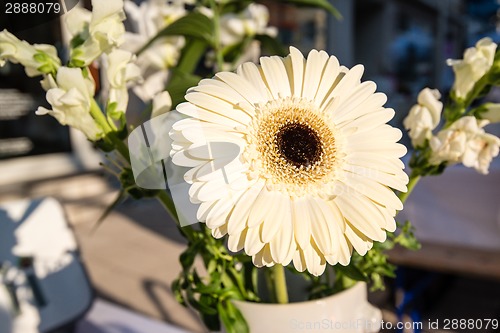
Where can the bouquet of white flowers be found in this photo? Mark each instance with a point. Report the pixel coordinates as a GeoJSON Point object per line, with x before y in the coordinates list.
{"type": "Point", "coordinates": [288, 159]}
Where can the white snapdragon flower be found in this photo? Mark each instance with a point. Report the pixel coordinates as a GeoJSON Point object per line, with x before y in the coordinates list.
{"type": "Point", "coordinates": [120, 71]}
{"type": "Point", "coordinates": [151, 16]}
{"type": "Point", "coordinates": [37, 59]}
{"type": "Point", "coordinates": [162, 103]}
{"type": "Point", "coordinates": [104, 31]}
{"type": "Point", "coordinates": [492, 112]}
{"type": "Point", "coordinates": [448, 146]}
{"type": "Point", "coordinates": [250, 22]}
{"type": "Point", "coordinates": [465, 141]}
{"type": "Point", "coordinates": [476, 63]}
{"type": "Point", "coordinates": [77, 22]}
{"type": "Point", "coordinates": [424, 116]}
{"type": "Point", "coordinates": [70, 96]}
{"type": "Point", "coordinates": [481, 148]}
{"type": "Point", "coordinates": [147, 19]}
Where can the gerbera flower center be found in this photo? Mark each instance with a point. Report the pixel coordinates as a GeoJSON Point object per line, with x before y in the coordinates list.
{"type": "Point", "coordinates": [298, 144]}
{"type": "Point", "coordinates": [292, 145]}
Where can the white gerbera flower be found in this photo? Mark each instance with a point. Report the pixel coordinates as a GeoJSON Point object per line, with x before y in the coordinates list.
{"type": "Point", "coordinates": [316, 160]}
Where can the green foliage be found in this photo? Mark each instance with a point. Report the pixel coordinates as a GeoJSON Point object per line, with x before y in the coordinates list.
{"type": "Point", "coordinates": [234, 6]}
{"type": "Point", "coordinates": [271, 45]}
{"type": "Point", "coordinates": [194, 25]}
{"type": "Point", "coordinates": [373, 267]}
{"type": "Point", "coordinates": [419, 162]}
{"type": "Point", "coordinates": [228, 277]}
{"type": "Point", "coordinates": [115, 115]}
{"type": "Point", "coordinates": [321, 4]}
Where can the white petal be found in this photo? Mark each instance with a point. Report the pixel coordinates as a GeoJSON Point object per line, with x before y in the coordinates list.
{"type": "Point", "coordinates": [374, 190]}
{"type": "Point", "coordinates": [218, 106]}
{"type": "Point", "coordinates": [312, 76]}
{"type": "Point", "coordinates": [236, 242]}
{"type": "Point", "coordinates": [263, 258]}
{"type": "Point", "coordinates": [283, 241]}
{"type": "Point", "coordinates": [217, 216]}
{"type": "Point", "coordinates": [238, 219]}
{"type": "Point", "coordinates": [182, 159]}
{"type": "Point", "coordinates": [383, 133]}
{"type": "Point", "coordinates": [301, 222]}
{"type": "Point", "coordinates": [278, 210]}
{"type": "Point", "coordinates": [348, 82]}
{"type": "Point", "coordinates": [386, 149]}
{"type": "Point", "coordinates": [222, 90]}
{"type": "Point", "coordinates": [328, 79]}
{"type": "Point", "coordinates": [395, 181]}
{"type": "Point", "coordinates": [276, 76]}
{"type": "Point", "coordinates": [219, 232]}
{"type": "Point", "coordinates": [361, 214]}
{"type": "Point", "coordinates": [253, 244]}
{"type": "Point", "coordinates": [370, 120]}
{"type": "Point", "coordinates": [299, 261]}
{"type": "Point", "coordinates": [264, 203]}
{"type": "Point", "coordinates": [360, 242]}
{"type": "Point", "coordinates": [242, 86]}
{"type": "Point", "coordinates": [204, 209]}
{"type": "Point", "coordinates": [320, 228]}
{"type": "Point", "coordinates": [253, 75]}
{"type": "Point", "coordinates": [315, 262]}
{"type": "Point", "coordinates": [298, 64]}
{"type": "Point", "coordinates": [207, 115]}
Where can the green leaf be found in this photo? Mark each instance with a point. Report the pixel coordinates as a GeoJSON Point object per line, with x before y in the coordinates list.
{"type": "Point", "coordinates": [194, 25]}
{"type": "Point", "coordinates": [232, 52]}
{"type": "Point", "coordinates": [77, 41]}
{"type": "Point", "coordinates": [188, 256]}
{"type": "Point", "coordinates": [271, 45]}
{"type": "Point", "coordinates": [116, 115]}
{"type": "Point", "coordinates": [234, 6]}
{"type": "Point", "coordinates": [351, 272]}
{"type": "Point", "coordinates": [179, 84]}
{"type": "Point", "coordinates": [232, 318]}
{"type": "Point", "coordinates": [122, 195]}
{"type": "Point", "coordinates": [191, 55]}
{"type": "Point", "coordinates": [104, 145]}
{"type": "Point", "coordinates": [322, 4]}
{"type": "Point", "coordinates": [177, 289]}
{"type": "Point", "coordinates": [407, 238]}
{"type": "Point", "coordinates": [201, 306]}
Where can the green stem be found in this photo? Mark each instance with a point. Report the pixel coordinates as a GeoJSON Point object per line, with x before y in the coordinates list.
{"type": "Point", "coordinates": [280, 284]}
{"type": "Point", "coordinates": [96, 113]}
{"type": "Point", "coordinates": [411, 184]}
{"type": "Point", "coordinates": [109, 133]}
{"type": "Point", "coordinates": [217, 45]}
{"type": "Point", "coordinates": [169, 206]}
{"type": "Point", "coordinates": [268, 278]}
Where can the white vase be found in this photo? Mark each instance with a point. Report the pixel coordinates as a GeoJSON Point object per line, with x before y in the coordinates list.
{"type": "Point", "coordinates": [345, 312]}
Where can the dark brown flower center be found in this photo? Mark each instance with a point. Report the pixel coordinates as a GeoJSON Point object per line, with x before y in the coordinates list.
{"type": "Point", "coordinates": [298, 144]}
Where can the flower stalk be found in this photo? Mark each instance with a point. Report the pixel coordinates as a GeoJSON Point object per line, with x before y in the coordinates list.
{"type": "Point", "coordinates": [217, 41]}
{"type": "Point", "coordinates": [414, 179]}
{"type": "Point", "coordinates": [279, 282]}
{"type": "Point", "coordinates": [100, 119]}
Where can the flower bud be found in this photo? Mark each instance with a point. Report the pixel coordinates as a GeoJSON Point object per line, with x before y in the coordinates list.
{"type": "Point", "coordinates": [424, 116]}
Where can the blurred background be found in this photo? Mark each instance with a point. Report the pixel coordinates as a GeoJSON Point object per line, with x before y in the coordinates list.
{"type": "Point", "coordinates": [132, 258]}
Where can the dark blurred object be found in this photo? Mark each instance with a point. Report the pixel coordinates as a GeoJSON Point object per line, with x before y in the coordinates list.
{"type": "Point", "coordinates": [22, 133]}
{"type": "Point", "coordinates": [20, 15]}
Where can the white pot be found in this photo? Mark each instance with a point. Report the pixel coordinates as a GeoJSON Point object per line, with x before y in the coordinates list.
{"type": "Point", "coordinates": [345, 312]}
